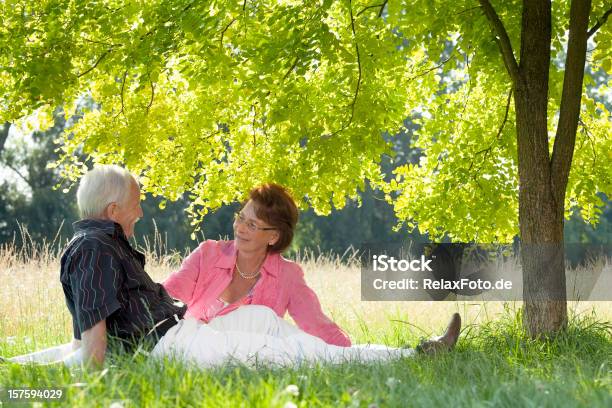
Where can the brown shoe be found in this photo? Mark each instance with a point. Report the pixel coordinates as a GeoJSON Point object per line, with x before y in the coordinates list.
{"type": "Point", "coordinates": [445, 342]}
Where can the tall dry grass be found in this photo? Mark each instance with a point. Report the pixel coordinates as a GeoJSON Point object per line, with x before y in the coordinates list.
{"type": "Point", "coordinates": [33, 313]}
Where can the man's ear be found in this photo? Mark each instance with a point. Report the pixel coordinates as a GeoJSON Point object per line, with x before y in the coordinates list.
{"type": "Point", "coordinates": [111, 211]}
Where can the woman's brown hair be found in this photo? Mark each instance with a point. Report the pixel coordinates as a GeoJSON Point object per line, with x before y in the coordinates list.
{"type": "Point", "coordinates": [275, 205]}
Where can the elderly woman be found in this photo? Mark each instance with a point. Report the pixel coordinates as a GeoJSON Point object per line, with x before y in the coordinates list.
{"type": "Point", "coordinates": [220, 276]}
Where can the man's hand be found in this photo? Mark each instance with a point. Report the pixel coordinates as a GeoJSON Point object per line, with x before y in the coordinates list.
{"type": "Point", "coordinates": [94, 343]}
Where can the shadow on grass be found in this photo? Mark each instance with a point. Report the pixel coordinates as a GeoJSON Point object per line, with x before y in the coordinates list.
{"type": "Point", "coordinates": [585, 338]}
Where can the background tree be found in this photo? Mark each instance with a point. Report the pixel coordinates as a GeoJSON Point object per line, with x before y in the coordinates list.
{"type": "Point", "coordinates": [546, 95]}
{"type": "Point", "coordinates": [37, 208]}
{"type": "Point", "coordinates": [4, 131]}
{"type": "Point", "coordinates": [49, 219]}
{"type": "Point", "coordinates": [543, 177]}
{"type": "Point", "coordinates": [36, 211]}
{"type": "Point", "coordinates": [31, 211]}
{"type": "Point", "coordinates": [210, 98]}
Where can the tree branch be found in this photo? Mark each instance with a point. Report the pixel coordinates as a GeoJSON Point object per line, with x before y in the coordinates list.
{"type": "Point", "coordinates": [121, 112]}
{"type": "Point", "coordinates": [499, 132]}
{"type": "Point", "coordinates": [291, 68]}
{"type": "Point", "coordinates": [152, 30]}
{"type": "Point", "coordinates": [152, 94]}
{"type": "Point", "coordinates": [24, 178]}
{"type": "Point", "coordinates": [123, 89]}
{"type": "Point", "coordinates": [223, 32]}
{"type": "Point", "coordinates": [427, 71]}
{"type": "Point", "coordinates": [347, 124]}
{"type": "Point", "coordinates": [467, 10]}
{"type": "Point", "coordinates": [254, 110]}
{"type": "Point", "coordinates": [467, 98]}
{"type": "Point", "coordinates": [501, 128]}
{"type": "Point", "coordinates": [601, 21]}
{"type": "Point", "coordinates": [95, 64]}
{"type": "Point", "coordinates": [358, 64]}
{"type": "Point", "coordinates": [587, 134]}
{"type": "Point", "coordinates": [101, 43]}
{"type": "Point", "coordinates": [366, 8]}
{"type": "Point", "coordinates": [503, 41]}
{"type": "Point", "coordinates": [381, 7]}
{"type": "Point", "coordinates": [569, 109]}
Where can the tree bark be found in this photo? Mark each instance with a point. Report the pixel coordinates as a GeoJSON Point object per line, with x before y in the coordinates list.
{"type": "Point", "coordinates": [4, 131]}
{"type": "Point", "coordinates": [569, 112]}
{"type": "Point", "coordinates": [540, 215]}
{"type": "Point", "coordinates": [543, 180]}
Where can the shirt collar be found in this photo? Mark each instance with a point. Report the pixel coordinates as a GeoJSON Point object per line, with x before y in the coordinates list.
{"type": "Point", "coordinates": [107, 226]}
{"type": "Point", "coordinates": [227, 260]}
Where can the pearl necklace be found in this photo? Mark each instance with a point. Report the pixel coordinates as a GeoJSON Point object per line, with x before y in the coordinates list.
{"type": "Point", "coordinates": [245, 275]}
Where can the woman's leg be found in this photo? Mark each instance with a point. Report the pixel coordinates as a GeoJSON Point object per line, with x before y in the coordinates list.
{"type": "Point", "coordinates": [204, 344]}
{"type": "Point", "coordinates": [73, 359]}
{"type": "Point", "coordinates": [208, 347]}
{"type": "Point", "coordinates": [254, 319]}
{"type": "Point", "coordinates": [49, 355]}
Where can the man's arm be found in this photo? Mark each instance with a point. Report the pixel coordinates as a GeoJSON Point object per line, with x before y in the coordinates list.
{"type": "Point", "coordinates": [95, 278]}
{"type": "Point", "coordinates": [94, 343]}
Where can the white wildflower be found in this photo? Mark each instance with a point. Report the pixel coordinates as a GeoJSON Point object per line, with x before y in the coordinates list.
{"type": "Point", "coordinates": [392, 382]}
{"type": "Point", "coordinates": [292, 389]}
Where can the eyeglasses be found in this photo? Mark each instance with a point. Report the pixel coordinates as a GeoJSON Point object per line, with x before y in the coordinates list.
{"type": "Point", "coordinates": [239, 218]}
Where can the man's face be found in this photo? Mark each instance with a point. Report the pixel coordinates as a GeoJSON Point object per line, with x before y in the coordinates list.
{"type": "Point", "coordinates": [128, 212]}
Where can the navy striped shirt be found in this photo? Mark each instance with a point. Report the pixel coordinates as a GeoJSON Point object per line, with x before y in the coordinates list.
{"type": "Point", "coordinates": [103, 277]}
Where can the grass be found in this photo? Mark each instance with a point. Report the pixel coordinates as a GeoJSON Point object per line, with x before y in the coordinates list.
{"type": "Point", "coordinates": [495, 364]}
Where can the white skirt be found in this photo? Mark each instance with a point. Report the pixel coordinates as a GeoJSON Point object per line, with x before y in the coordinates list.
{"type": "Point", "coordinates": [254, 334]}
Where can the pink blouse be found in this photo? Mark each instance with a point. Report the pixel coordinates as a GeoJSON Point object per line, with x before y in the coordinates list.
{"type": "Point", "coordinates": [220, 307]}
{"type": "Point", "coordinates": [207, 271]}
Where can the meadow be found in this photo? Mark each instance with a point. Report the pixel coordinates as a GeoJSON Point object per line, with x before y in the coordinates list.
{"type": "Point", "coordinates": [494, 365]}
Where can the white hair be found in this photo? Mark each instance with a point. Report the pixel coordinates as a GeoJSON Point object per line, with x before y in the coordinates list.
{"type": "Point", "coordinates": [102, 185]}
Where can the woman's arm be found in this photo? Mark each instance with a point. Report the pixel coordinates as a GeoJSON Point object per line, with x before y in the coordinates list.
{"type": "Point", "coordinates": [305, 309]}
{"type": "Point", "coordinates": [181, 284]}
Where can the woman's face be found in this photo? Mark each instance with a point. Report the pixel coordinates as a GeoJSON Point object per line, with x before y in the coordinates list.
{"type": "Point", "coordinates": [249, 232]}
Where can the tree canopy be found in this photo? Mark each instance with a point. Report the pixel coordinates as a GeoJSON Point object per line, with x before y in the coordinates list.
{"type": "Point", "coordinates": [211, 98]}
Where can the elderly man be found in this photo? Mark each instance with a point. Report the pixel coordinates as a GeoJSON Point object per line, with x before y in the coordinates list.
{"type": "Point", "coordinates": [107, 290]}
{"type": "Point", "coordinates": [110, 296]}
{"type": "Point", "coordinates": [106, 287]}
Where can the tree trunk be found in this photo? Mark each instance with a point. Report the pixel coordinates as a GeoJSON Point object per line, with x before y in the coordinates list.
{"type": "Point", "coordinates": [540, 214]}
{"type": "Point", "coordinates": [543, 179]}
{"type": "Point", "coordinates": [4, 131]}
